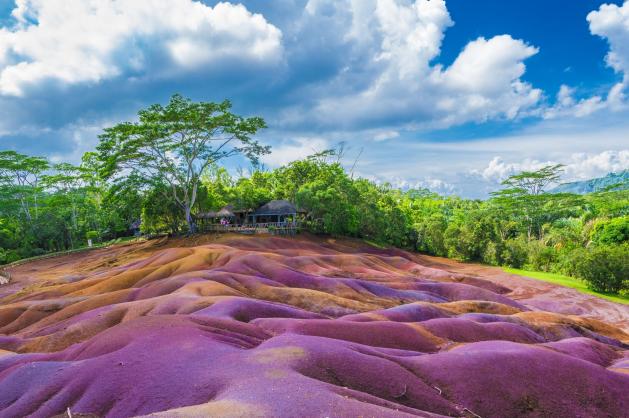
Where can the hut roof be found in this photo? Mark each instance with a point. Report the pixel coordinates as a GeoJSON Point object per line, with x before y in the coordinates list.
{"type": "Point", "coordinates": [207, 215]}
{"type": "Point", "coordinates": [276, 207]}
{"type": "Point", "coordinates": [225, 212]}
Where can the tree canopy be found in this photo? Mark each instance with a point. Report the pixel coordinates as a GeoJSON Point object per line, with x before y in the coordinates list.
{"type": "Point", "coordinates": [175, 144]}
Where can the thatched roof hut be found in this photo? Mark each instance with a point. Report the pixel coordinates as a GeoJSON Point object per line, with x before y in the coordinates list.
{"type": "Point", "coordinates": [226, 212]}
{"type": "Point", "coordinates": [206, 215]}
{"type": "Point", "coordinates": [276, 207]}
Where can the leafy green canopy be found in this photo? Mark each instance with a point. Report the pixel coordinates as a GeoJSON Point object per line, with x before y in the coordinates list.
{"type": "Point", "coordinates": [175, 144]}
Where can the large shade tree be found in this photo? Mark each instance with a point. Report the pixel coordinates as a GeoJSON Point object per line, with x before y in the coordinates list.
{"type": "Point", "coordinates": [525, 198]}
{"type": "Point", "coordinates": [174, 144]}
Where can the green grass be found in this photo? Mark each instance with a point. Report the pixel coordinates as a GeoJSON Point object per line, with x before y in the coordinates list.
{"type": "Point", "coordinates": [567, 282]}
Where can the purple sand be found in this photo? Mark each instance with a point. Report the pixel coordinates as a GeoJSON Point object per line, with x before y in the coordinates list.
{"type": "Point", "coordinates": [279, 327]}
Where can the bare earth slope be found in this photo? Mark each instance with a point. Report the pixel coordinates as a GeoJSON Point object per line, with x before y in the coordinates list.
{"type": "Point", "coordinates": [266, 326]}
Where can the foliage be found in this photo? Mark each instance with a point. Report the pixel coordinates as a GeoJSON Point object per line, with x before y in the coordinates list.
{"type": "Point", "coordinates": [605, 268]}
{"type": "Point", "coordinates": [176, 143]}
{"type": "Point", "coordinates": [611, 231]}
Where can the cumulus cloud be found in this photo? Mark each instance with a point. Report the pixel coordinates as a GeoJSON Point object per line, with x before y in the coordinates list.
{"type": "Point", "coordinates": [610, 22]}
{"type": "Point", "coordinates": [395, 43]}
{"type": "Point", "coordinates": [567, 105]}
{"type": "Point", "coordinates": [579, 166]}
{"type": "Point", "coordinates": [585, 166]}
{"type": "Point", "coordinates": [87, 41]}
{"type": "Point", "coordinates": [484, 80]}
{"type": "Point", "coordinates": [433, 184]}
{"type": "Point", "coordinates": [498, 170]}
{"type": "Point", "coordinates": [296, 149]}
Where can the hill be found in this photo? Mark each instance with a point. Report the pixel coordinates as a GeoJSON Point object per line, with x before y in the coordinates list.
{"type": "Point", "coordinates": [595, 185]}
{"type": "Point", "coordinates": [307, 326]}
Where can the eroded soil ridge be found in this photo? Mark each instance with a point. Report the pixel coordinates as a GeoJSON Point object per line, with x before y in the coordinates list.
{"type": "Point", "coordinates": [268, 326]}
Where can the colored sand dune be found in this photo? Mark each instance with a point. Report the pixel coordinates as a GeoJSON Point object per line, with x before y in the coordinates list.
{"type": "Point", "coordinates": [261, 326]}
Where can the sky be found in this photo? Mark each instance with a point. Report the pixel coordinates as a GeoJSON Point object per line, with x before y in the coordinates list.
{"type": "Point", "coordinates": [451, 95]}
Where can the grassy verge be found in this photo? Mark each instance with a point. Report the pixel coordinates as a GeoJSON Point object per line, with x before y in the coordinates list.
{"type": "Point", "coordinates": [567, 282]}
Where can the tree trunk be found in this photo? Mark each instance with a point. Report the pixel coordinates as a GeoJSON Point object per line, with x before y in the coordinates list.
{"type": "Point", "coordinates": [191, 226]}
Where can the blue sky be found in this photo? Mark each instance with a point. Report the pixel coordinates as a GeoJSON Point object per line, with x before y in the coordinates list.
{"type": "Point", "coordinates": [450, 95]}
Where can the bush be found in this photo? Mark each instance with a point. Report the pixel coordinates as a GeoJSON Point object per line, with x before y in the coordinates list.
{"type": "Point", "coordinates": [613, 231]}
{"type": "Point", "coordinates": [35, 252]}
{"type": "Point", "coordinates": [541, 257]}
{"type": "Point", "coordinates": [8, 256]}
{"type": "Point", "coordinates": [515, 252]}
{"type": "Point", "coordinates": [605, 269]}
{"type": "Point", "coordinates": [491, 254]}
{"type": "Point", "coordinates": [460, 242]}
{"type": "Point", "coordinates": [430, 235]}
{"type": "Point", "coordinates": [91, 235]}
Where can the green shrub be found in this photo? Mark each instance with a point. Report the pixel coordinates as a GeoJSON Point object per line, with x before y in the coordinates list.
{"type": "Point", "coordinates": [491, 254]}
{"type": "Point", "coordinates": [515, 253]}
{"type": "Point", "coordinates": [8, 256]}
{"type": "Point", "coordinates": [460, 242]}
{"type": "Point", "coordinates": [605, 268]}
{"type": "Point", "coordinates": [430, 235]}
{"type": "Point", "coordinates": [91, 235]}
{"type": "Point", "coordinates": [540, 257]}
{"type": "Point", "coordinates": [567, 260]}
{"type": "Point", "coordinates": [611, 231]}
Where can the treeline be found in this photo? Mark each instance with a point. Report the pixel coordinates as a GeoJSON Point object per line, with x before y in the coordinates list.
{"type": "Point", "coordinates": [581, 236]}
{"type": "Point", "coordinates": [521, 226]}
{"type": "Point", "coordinates": [154, 175]}
{"type": "Point", "coordinates": [48, 207]}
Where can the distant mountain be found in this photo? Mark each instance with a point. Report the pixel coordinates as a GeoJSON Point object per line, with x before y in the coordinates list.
{"type": "Point", "coordinates": [595, 185]}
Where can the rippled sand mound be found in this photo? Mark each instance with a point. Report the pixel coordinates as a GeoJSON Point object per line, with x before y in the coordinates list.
{"type": "Point", "coordinates": [262, 326]}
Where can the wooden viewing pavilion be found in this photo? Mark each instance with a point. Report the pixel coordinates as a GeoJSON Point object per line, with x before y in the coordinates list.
{"type": "Point", "coordinates": [275, 217]}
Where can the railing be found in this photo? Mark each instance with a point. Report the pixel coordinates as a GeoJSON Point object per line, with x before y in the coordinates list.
{"type": "Point", "coordinates": [270, 227]}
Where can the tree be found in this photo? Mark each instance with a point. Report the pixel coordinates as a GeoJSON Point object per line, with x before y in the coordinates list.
{"type": "Point", "coordinates": [534, 183]}
{"type": "Point", "coordinates": [525, 197]}
{"type": "Point", "coordinates": [176, 143]}
{"type": "Point", "coordinates": [19, 176]}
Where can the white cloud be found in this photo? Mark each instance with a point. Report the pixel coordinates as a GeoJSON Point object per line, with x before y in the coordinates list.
{"type": "Point", "coordinates": [610, 22]}
{"type": "Point", "coordinates": [567, 105]}
{"type": "Point", "coordinates": [384, 135]}
{"type": "Point", "coordinates": [578, 166]}
{"type": "Point", "coordinates": [484, 80]}
{"type": "Point", "coordinates": [498, 170]}
{"type": "Point", "coordinates": [585, 165]}
{"type": "Point", "coordinates": [433, 184]}
{"type": "Point", "coordinates": [78, 41]}
{"type": "Point", "coordinates": [296, 149]}
{"type": "Point", "coordinates": [395, 43]}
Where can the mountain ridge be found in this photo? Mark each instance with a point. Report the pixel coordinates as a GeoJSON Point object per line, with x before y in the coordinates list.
{"type": "Point", "coordinates": [596, 184]}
